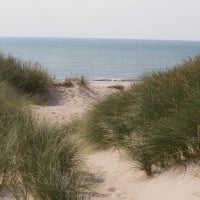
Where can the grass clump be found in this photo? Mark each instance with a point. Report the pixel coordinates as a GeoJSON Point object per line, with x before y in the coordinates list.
{"type": "Point", "coordinates": [104, 124]}
{"type": "Point", "coordinates": [25, 77]}
{"type": "Point", "coordinates": [155, 120]}
{"type": "Point", "coordinates": [36, 159]}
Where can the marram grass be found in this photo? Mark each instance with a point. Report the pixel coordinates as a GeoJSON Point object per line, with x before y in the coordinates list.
{"type": "Point", "coordinates": [25, 77]}
{"type": "Point", "coordinates": [36, 160]}
{"type": "Point", "coordinates": [155, 120]}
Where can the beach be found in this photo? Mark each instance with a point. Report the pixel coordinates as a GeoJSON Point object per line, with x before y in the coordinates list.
{"type": "Point", "coordinates": [99, 100]}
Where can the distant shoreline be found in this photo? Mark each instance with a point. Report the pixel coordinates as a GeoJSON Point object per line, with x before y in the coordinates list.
{"type": "Point", "coordinates": [97, 38]}
{"type": "Point", "coordinates": [102, 79]}
{"type": "Point", "coordinates": [116, 79]}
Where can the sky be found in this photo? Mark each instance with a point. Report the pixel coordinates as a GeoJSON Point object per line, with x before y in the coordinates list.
{"type": "Point", "coordinates": [131, 19]}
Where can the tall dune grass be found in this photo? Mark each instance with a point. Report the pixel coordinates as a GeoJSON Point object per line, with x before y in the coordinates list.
{"type": "Point", "coordinates": [28, 78]}
{"type": "Point", "coordinates": [155, 121]}
{"type": "Point", "coordinates": [36, 159]}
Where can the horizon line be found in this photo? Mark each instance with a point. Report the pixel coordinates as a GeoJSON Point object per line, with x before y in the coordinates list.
{"type": "Point", "coordinates": [100, 38]}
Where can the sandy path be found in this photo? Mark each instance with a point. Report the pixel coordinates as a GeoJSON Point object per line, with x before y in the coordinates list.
{"type": "Point", "coordinates": [123, 181]}
{"type": "Point", "coordinates": [118, 178]}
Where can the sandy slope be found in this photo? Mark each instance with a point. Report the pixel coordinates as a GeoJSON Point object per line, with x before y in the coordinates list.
{"type": "Point", "coordinates": [121, 180]}
{"type": "Point", "coordinates": [116, 177]}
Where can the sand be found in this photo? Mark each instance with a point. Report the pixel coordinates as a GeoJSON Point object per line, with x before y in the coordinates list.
{"type": "Point", "coordinates": [117, 177]}
{"type": "Point", "coordinates": [121, 179]}
{"type": "Point", "coordinates": [68, 103]}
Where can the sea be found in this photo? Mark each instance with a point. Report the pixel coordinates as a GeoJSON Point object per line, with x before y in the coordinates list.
{"type": "Point", "coordinates": [98, 59]}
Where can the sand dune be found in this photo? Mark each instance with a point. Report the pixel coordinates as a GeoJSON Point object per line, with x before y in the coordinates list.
{"type": "Point", "coordinates": [117, 177]}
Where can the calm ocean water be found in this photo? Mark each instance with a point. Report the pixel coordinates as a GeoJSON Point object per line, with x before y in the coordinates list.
{"type": "Point", "coordinates": [100, 58]}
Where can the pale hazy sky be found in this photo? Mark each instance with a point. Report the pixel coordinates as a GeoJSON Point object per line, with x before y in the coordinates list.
{"type": "Point", "coordinates": [137, 19]}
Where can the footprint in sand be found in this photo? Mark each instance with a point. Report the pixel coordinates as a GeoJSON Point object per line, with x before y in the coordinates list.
{"type": "Point", "coordinates": [111, 189]}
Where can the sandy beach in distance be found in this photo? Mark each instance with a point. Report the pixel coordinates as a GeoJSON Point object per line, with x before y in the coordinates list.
{"type": "Point", "coordinates": [118, 176]}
